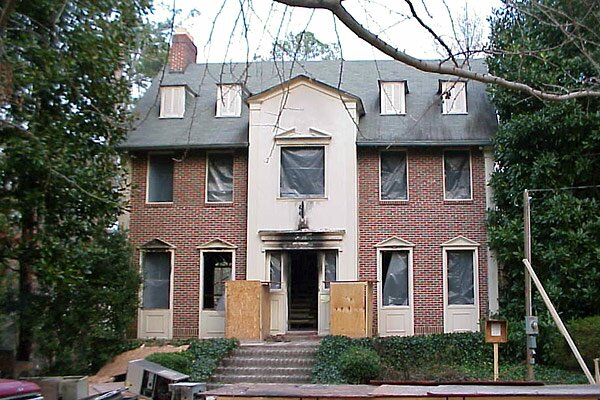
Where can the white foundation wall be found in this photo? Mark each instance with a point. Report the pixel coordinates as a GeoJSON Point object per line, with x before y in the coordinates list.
{"type": "Point", "coordinates": [306, 107]}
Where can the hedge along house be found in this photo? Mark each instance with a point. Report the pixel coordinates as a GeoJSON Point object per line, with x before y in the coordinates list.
{"type": "Point", "coordinates": [266, 173]}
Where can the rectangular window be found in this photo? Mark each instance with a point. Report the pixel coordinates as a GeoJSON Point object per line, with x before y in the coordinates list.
{"type": "Point", "coordinates": [330, 268]}
{"type": "Point", "coordinates": [157, 280]}
{"type": "Point", "coordinates": [394, 273]}
{"type": "Point", "coordinates": [172, 101]}
{"type": "Point", "coordinates": [229, 100]}
{"type": "Point", "coordinates": [393, 177]}
{"type": "Point", "coordinates": [302, 172]}
{"type": "Point", "coordinates": [275, 269]}
{"type": "Point", "coordinates": [393, 98]}
{"type": "Point", "coordinates": [160, 178]}
{"type": "Point", "coordinates": [218, 267]}
{"type": "Point", "coordinates": [454, 97]}
{"type": "Point", "coordinates": [461, 288]}
{"type": "Point", "coordinates": [457, 175]}
{"type": "Point", "coordinates": [219, 181]}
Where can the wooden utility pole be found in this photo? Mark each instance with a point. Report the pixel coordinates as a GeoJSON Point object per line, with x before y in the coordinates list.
{"type": "Point", "coordinates": [528, 302]}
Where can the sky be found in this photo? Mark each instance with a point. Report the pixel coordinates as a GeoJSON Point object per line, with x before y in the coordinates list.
{"type": "Point", "coordinates": [217, 26]}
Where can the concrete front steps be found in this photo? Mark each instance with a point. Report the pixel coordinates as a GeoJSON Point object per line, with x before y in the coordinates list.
{"type": "Point", "coordinates": [268, 362]}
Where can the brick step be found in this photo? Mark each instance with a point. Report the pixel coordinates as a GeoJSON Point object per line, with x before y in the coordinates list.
{"type": "Point", "coordinates": [219, 378]}
{"type": "Point", "coordinates": [260, 371]}
{"type": "Point", "coordinates": [267, 362]}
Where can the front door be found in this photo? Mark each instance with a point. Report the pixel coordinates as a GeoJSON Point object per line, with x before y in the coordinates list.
{"type": "Point", "coordinates": [216, 269]}
{"type": "Point", "coordinates": [303, 289]}
{"type": "Point", "coordinates": [461, 290]}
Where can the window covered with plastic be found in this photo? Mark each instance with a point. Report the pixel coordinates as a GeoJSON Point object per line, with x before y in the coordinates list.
{"type": "Point", "coordinates": [275, 269]}
{"type": "Point", "coordinates": [394, 273]}
{"type": "Point", "coordinates": [217, 270]}
{"type": "Point", "coordinates": [220, 178]}
{"type": "Point", "coordinates": [160, 178]}
{"type": "Point", "coordinates": [461, 288]}
{"type": "Point", "coordinates": [157, 280]}
{"type": "Point", "coordinates": [393, 175]}
{"type": "Point", "coordinates": [330, 268]}
{"type": "Point", "coordinates": [457, 179]}
{"type": "Point", "coordinates": [302, 172]}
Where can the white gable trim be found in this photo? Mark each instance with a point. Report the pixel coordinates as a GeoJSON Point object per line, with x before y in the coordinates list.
{"type": "Point", "coordinates": [217, 244]}
{"type": "Point", "coordinates": [313, 136]}
{"type": "Point", "coordinates": [394, 242]}
{"type": "Point", "coordinates": [460, 241]}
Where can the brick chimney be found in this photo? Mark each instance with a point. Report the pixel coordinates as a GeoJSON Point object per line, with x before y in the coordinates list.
{"type": "Point", "coordinates": [183, 51]}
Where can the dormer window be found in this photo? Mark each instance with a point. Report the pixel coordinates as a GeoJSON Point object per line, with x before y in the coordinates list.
{"type": "Point", "coordinates": [454, 97]}
{"type": "Point", "coordinates": [172, 101]}
{"type": "Point", "coordinates": [229, 100]}
{"type": "Point", "coordinates": [393, 98]}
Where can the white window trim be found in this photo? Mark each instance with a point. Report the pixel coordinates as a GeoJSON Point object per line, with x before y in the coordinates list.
{"type": "Point", "coordinates": [171, 277]}
{"type": "Point", "coordinates": [154, 153]}
{"type": "Point", "coordinates": [208, 154]}
{"type": "Point", "coordinates": [201, 293]}
{"type": "Point", "coordinates": [325, 169]}
{"type": "Point", "coordinates": [380, 251]}
{"type": "Point", "coordinates": [401, 110]}
{"type": "Point", "coordinates": [163, 102]}
{"type": "Point", "coordinates": [475, 250]}
{"type": "Point", "coordinates": [444, 173]}
{"type": "Point", "coordinates": [220, 110]}
{"type": "Point", "coordinates": [321, 257]}
{"type": "Point", "coordinates": [405, 151]}
{"type": "Point", "coordinates": [284, 263]}
{"type": "Point", "coordinates": [444, 89]}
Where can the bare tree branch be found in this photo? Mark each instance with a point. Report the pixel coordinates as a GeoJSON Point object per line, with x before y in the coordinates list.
{"type": "Point", "coordinates": [336, 7]}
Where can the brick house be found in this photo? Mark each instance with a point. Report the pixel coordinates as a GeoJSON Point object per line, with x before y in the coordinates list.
{"type": "Point", "coordinates": [261, 173]}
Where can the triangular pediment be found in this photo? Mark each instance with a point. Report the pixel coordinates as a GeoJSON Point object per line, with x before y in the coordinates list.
{"type": "Point", "coordinates": [217, 244]}
{"type": "Point", "coordinates": [394, 241]}
{"type": "Point", "coordinates": [460, 241]}
{"type": "Point", "coordinates": [313, 135]}
{"type": "Point", "coordinates": [155, 244]}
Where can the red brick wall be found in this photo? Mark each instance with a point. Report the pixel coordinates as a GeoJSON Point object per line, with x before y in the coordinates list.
{"type": "Point", "coordinates": [188, 223]}
{"type": "Point", "coordinates": [427, 221]}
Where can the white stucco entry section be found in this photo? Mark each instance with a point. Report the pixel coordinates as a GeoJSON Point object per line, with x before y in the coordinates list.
{"type": "Point", "coordinates": [302, 112]}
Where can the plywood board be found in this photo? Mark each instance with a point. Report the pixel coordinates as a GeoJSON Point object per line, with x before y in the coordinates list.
{"type": "Point", "coordinates": [242, 310]}
{"type": "Point", "coordinates": [349, 316]}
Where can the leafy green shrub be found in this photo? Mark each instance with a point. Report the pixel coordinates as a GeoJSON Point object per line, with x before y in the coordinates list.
{"type": "Point", "coordinates": [586, 334]}
{"type": "Point", "coordinates": [206, 355]}
{"type": "Point", "coordinates": [180, 362]}
{"type": "Point", "coordinates": [331, 348]}
{"type": "Point", "coordinates": [359, 364]}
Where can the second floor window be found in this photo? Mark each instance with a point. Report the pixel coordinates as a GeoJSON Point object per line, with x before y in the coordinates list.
{"type": "Point", "coordinates": [219, 178]}
{"type": "Point", "coordinates": [172, 101]}
{"type": "Point", "coordinates": [393, 98]}
{"type": "Point", "coordinates": [393, 178]}
{"type": "Point", "coordinates": [457, 175]}
{"type": "Point", "coordinates": [302, 173]}
{"type": "Point", "coordinates": [160, 178]}
{"type": "Point", "coordinates": [454, 97]}
{"type": "Point", "coordinates": [229, 100]}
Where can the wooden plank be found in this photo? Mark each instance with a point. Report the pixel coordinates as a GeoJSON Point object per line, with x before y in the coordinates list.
{"type": "Point", "coordinates": [242, 310]}
{"type": "Point", "coordinates": [265, 312]}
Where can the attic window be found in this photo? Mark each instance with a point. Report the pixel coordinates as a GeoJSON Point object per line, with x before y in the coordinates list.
{"type": "Point", "coordinates": [393, 98]}
{"type": "Point", "coordinates": [172, 101]}
{"type": "Point", "coordinates": [229, 100]}
{"type": "Point", "coordinates": [454, 97]}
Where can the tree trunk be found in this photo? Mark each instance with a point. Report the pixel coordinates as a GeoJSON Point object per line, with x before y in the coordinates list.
{"type": "Point", "coordinates": [26, 287]}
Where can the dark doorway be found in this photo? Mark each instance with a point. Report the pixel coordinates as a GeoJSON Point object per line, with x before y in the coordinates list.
{"type": "Point", "coordinates": [303, 290]}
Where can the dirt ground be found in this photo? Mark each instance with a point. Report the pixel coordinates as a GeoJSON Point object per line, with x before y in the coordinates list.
{"type": "Point", "coordinates": [118, 365]}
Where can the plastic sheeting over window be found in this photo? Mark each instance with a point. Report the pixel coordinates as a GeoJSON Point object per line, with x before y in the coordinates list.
{"type": "Point", "coordinates": [330, 267]}
{"type": "Point", "coordinates": [460, 277]}
{"type": "Point", "coordinates": [457, 167]}
{"type": "Point", "coordinates": [395, 278]}
{"type": "Point", "coordinates": [393, 175]}
{"type": "Point", "coordinates": [157, 280]}
{"type": "Point", "coordinates": [217, 270]}
{"type": "Point", "coordinates": [160, 178]}
{"type": "Point", "coordinates": [275, 270]}
{"type": "Point", "coordinates": [302, 172]}
{"type": "Point", "coordinates": [220, 178]}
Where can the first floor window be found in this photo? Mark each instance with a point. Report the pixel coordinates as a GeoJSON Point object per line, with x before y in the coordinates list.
{"type": "Point", "coordinates": [156, 270]}
{"type": "Point", "coordinates": [461, 289]}
{"type": "Point", "coordinates": [457, 175]}
{"type": "Point", "coordinates": [160, 178]}
{"type": "Point", "coordinates": [302, 172]}
{"type": "Point", "coordinates": [275, 269]}
{"type": "Point", "coordinates": [218, 268]}
{"type": "Point", "coordinates": [219, 178]}
{"type": "Point", "coordinates": [394, 273]}
{"type": "Point", "coordinates": [393, 175]}
{"type": "Point", "coordinates": [330, 268]}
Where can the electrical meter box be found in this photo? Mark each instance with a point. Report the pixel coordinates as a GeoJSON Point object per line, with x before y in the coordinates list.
{"type": "Point", "coordinates": [496, 331]}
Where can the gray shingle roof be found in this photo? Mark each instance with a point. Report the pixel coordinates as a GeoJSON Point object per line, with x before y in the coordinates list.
{"type": "Point", "coordinates": [423, 124]}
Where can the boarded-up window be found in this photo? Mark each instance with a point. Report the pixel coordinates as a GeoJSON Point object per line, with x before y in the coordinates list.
{"type": "Point", "coordinates": [302, 172]}
{"type": "Point", "coordinates": [157, 280]}
{"type": "Point", "coordinates": [394, 273]}
{"type": "Point", "coordinates": [457, 175]}
{"type": "Point", "coordinates": [393, 95]}
{"type": "Point", "coordinates": [160, 178]}
{"type": "Point", "coordinates": [393, 175]}
{"type": "Point", "coordinates": [275, 269]}
{"type": "Point", "coordinates": [460, 277]}
{"type": "Point", "coordinates": [330, 268]}
{"type": "Point", "coordinates": [454, 97]}
{"type": "Point", "coordinates": [172, 101]}
{"type": "Point", "coordinates": [229, 100]}
{"type": "Point", "coordinates": [219, 178]}
{"type": "Point", "coordinates": [217, 270]}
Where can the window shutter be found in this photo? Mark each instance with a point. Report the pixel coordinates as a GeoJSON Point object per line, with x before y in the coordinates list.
{"type": "Point", "coordinates": [392, 97]}
{"type": "Point", "coordinates": [229, 101]}
{"type": "Point", "coordinates": [172, 101]}
{"type": "Point", "coordinates": [454, 97]}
